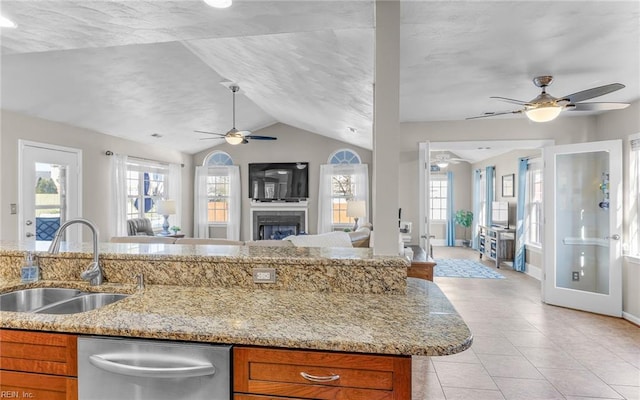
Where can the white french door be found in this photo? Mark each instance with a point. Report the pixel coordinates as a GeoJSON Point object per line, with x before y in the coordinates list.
{"type": "Point", "coordinates": [582, 234]}
{"type": "Point", "coordinates": [49, 179]}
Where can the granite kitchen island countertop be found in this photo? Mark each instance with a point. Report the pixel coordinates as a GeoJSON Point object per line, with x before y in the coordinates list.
{"type": "Point", "coordinates": [421, 321]}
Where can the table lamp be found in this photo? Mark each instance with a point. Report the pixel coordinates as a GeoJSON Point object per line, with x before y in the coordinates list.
{"type": "Point", "coordinates": [356, 209]}
{"type": "Point", "coordinates": [166, 208]}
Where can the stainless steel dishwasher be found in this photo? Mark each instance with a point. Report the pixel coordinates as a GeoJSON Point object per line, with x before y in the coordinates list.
{"type": "Point", "coordinates": [138, 369]}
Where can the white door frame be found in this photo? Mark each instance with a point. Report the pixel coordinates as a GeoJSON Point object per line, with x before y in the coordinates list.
{"type": "Point", "coordinates": [608, 304]}
{"type": "Point", "coordinates": [75, 197]}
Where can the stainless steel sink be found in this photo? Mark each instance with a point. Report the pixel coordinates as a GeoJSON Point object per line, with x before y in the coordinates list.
{"type": "Point", "coordinates": [55, 300]}
{"type": "Point", "coordinates": [31, 299]}
{"type": "Point", "coordinates": [82, 303]}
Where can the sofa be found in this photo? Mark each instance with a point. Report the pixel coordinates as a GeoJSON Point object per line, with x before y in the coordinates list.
{"type": "Point", "coordinates": [358, 238]}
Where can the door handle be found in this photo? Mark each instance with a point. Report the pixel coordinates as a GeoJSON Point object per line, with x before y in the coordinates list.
{"type": "Point", "coordinates": [151, 371]}
{"type": "Point", "coordinates": [615, 236]}
{"type": "Point", "coordinates": [28, 234]}
{"type": "Point", "coordinates": [28, 222]}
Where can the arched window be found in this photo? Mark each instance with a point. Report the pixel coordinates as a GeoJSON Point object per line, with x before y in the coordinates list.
{"type": "Point", "coordinates": [343, 180]}
{"type": "Point", "coordinates": [344, 156]}
{"type": "Point", "coordinates": [217, 157]}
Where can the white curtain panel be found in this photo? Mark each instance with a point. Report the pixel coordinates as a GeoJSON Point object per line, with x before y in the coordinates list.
{"type": "Point", "coordinates": [200, 200]}
{"type": "Point", "coordinates": [175, 192]}
{"type": "Point", "coordinates": [118, 209]}
{"type": "Point", "coordinates": [324, 198]}
{"type": "Point", "coordinates": [235, 203]}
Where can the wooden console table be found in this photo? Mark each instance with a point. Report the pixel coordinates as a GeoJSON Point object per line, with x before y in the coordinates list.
{"type": "Point", "coordinates": [421, 264]}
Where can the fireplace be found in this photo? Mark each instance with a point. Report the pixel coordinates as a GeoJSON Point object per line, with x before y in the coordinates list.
{"type": "Point", "coordinates": [277, 222]}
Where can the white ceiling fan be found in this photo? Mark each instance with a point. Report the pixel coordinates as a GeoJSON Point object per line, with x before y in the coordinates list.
{"type": "Point", "coordinates": [234, 136]}
{"type": "Point", "coordinates": [546, 108]}
{"type": "Point", "coordinates": [442, 160]}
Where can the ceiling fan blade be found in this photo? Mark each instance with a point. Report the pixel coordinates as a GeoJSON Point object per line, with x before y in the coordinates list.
{"type": "Point", "coordinates": [257, 137]}
{"type": "Point", "coordinates": [593, 92]}
{"type": "Point", "coordinates": [493, 114]}
{"type": "Point", "coordinates": [599, 106]}
{"type": "Point", "coordinates": [211, 133]}
{"type": "Point", "coordinates": [514, 101]}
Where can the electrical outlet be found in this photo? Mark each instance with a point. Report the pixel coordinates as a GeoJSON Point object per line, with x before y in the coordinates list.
{"type": "Point", "coordinates": [575, 275]}
{"type": "Point", "coordinates": [264, 275]}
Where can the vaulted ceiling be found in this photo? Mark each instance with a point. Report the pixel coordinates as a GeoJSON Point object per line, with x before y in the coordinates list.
{"type": "Point", "coordinates": [135, 68]}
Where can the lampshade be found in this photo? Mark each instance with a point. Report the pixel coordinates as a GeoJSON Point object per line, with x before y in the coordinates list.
{"type": "Point", "coordinates": [442, 164]}
{"type": "Point", "coordinates": [166, 207]}
{"type": "Point", "coordinates": [543, 113]}
{"type": "Point", "coordinates": [356, 209]}
{"type": "Point", "coordinates": [234, 139]}
{"type": "Point", "coordinates": [218, 3]}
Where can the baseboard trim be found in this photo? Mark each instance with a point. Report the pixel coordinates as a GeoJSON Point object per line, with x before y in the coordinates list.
{"type": "Point", "coordinates": [631, 318]}
{"type": "Point", "coordinates": [533, 271]}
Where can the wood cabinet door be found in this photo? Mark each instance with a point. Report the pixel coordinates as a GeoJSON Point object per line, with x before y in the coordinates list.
{"type": "Point", "coordinates": [320, 375]}
{"type": "Point", "coordinates": [23, 385]}
{"type": "Point", "coordinates": [43, 352]}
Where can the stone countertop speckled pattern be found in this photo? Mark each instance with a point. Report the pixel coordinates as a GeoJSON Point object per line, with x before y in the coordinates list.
{"type": "Point", "coordinates": [180, 252]}
{"type": "Point", "coordinates": [345, 270]}
{"type": "Point", "coordinates": [420, 322]}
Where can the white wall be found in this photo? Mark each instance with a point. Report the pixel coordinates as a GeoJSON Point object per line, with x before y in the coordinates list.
{"type": "Point", "coordinates": [96, 189]}
{"type": "Point", "coordinates": [292, 145]}
{"type": "Point", "coordinates": [619, 125]}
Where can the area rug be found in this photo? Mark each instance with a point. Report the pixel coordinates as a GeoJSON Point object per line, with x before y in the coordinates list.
{"type": "Point", "coordinates": [458, 268]}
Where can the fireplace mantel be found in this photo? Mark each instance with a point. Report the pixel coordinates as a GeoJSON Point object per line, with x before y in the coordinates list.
{"type": "Point", "coordinates": [265, 216]}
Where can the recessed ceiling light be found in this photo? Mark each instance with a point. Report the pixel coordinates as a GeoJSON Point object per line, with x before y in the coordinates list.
{"type": "Point", "coordinates": [218, 3]}
{"type": "Point", "coordinates": [6, 22]}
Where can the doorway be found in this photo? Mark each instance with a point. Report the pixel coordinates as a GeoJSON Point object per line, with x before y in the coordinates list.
{"type": "Point", "coordinates": [49, 190]}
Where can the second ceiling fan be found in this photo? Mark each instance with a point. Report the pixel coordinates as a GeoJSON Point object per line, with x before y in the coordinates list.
{"type": "Point", "coordinates": [234, 136]}
{"type": "Point", "coordinates": [545, 107]}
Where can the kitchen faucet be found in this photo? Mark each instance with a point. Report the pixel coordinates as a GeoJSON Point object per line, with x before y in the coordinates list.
{"type": "Point", "coordinates": [93, 273]}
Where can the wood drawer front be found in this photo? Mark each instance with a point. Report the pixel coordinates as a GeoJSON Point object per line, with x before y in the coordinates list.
{"type": "Point", "coordinates": [362, 377]}
{"type": "Point", "coordinates": [359, 378]}
{"type": "Point", "coordinates": [48, 353]}
{"type": "Point", "coordinates": [36, 386]}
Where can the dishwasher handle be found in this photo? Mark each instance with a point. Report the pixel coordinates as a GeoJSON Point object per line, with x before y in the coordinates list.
{"type": "Point", "coordinates": [190, 371]}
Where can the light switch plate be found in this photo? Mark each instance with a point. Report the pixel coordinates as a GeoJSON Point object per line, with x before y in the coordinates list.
{"type": "Point", "coordinates": [264, 275]}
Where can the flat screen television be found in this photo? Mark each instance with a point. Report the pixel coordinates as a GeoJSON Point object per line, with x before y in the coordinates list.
{"type": "Point", "coordinates": [279, 181]}
{"type": "Point", "coordinates": [500, 214]}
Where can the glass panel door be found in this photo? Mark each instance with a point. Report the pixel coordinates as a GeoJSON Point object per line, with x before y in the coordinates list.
{"type": "Point", "coordinates": [582, 246]}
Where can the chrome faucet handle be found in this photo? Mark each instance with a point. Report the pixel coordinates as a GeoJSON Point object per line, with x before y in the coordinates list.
{"type": "Point", "coordinates": [93, 274]}
{"type": "Point", "coordinates": [139, 281]}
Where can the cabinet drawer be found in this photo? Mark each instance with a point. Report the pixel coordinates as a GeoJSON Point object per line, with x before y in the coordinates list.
{"type": "Point", "coordinates": [48, 353]}
{"type": "Point", "coordinates": [321, 375]}
{"type": "Point", "coordinates": [26, 385]}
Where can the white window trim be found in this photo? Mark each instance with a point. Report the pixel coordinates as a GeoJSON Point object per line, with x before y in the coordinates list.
{"type": "Point", "coordinates": [438, 177]}
{"type": "Point", "coordinates": [633, 181]}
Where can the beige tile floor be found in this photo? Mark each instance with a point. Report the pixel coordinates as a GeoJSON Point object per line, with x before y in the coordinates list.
{"type": "Point", "coordinates": [524, 349]}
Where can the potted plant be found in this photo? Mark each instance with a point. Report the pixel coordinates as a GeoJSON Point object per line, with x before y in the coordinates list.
{"type": "Point", "coordinates": [175, 229]}
{"type": "Point", "coordinates": [464, 218]}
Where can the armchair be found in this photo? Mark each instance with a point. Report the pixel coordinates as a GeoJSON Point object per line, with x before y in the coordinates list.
{"type": "Point", "coordinates": [139, 227]}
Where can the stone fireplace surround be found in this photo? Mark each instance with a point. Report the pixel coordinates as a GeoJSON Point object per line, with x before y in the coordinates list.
{"type": "Point", "coordinates": [275, 220]}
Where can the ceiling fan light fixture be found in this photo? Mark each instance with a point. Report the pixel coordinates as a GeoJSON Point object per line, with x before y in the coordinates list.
{"type": "Point", "coordinates": [218, 3]}
{"type": "Point", "coordinates": [234, 139]}
{"type": "Point", "coordinates": [544, 113]}
{"type": "Point", "coordinates": [6, 22]}
{"type": "Point", "coordinates": [442, 164]}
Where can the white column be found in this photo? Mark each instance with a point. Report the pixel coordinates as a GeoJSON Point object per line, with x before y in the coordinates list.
{"type": "Point", "coordinates": [386, 127]}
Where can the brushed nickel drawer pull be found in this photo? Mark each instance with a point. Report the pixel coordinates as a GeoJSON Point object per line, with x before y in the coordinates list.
{"type": "Point", "coordinates": [314, 378]}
